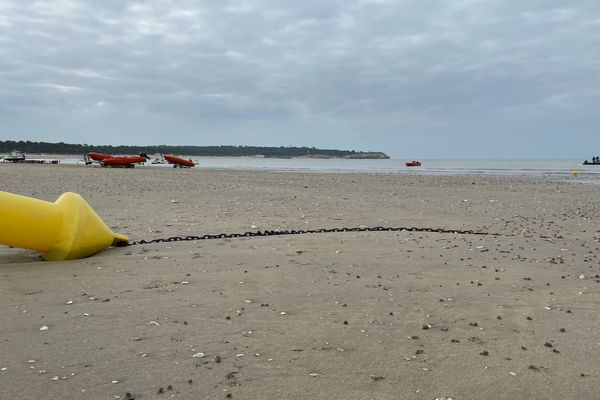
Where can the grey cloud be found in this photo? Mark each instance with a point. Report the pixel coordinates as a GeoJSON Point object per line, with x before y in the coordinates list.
{"type": "Point", "coordinates": [377, 71]}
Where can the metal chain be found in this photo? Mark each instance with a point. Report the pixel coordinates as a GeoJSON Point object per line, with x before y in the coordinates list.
{"type": "Point", "coordinates": [307, 231]}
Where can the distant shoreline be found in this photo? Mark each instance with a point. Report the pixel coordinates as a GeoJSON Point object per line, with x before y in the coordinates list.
{"type": "Point", "coordinates": [365, 156]}
{"type": "Point", "coordinates": [195, 151]}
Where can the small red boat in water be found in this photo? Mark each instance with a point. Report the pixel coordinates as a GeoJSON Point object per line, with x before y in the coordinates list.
{"type": "Point", "coordinates": [413, 164]}
{"type": "Point", "coordinates": [178, 161]}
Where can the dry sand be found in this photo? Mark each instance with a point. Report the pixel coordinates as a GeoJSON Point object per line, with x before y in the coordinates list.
{"type": "Point", "coordinates": [379, 315]}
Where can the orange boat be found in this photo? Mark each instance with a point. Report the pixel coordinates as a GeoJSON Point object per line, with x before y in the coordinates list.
{"type": "Point", "coordinates": [109, 160]}
{"type": "Point", "coordinates": [98, 156]}
{"type": "Point", "coordinates": [178, 161]}
{"type": "Point", "coordinates": [126, 161]}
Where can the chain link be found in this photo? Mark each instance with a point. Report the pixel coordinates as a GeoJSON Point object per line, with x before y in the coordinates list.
{"type": "Point", "coordinates": [278, 232]}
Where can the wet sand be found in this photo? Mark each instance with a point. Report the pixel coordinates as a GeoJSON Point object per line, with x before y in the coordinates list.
{"type": "Point", "coordinates": [356, 315]}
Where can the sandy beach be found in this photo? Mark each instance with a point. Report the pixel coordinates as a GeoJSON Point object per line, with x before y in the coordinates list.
{"type": "Point", "coordinates": [356, 315]}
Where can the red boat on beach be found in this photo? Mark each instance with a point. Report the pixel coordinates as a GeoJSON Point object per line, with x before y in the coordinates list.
{"type": "Point", "coordinates": [178, 161]}
{"type": "Point", "coordinates": [109, 160]}
{"type": "Point", "coordinates": [413, 164]}
{"type": "Point", "coordinates": [125, 161]}
{"type": "Point", "coordinates": [94, 156]}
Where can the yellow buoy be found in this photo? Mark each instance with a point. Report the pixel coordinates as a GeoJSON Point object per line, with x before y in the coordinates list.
{"type": "Point", "coordinates": [64, 230]}
{"type": "Point", "coordinates": [574, 172]}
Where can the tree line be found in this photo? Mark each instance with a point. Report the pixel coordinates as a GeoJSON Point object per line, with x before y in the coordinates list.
{"type": "Point", "coordinates": [225, 151]}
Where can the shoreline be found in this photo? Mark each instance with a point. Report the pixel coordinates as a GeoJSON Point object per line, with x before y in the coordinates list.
{"type": "Point", "coordinates": [537, 169]}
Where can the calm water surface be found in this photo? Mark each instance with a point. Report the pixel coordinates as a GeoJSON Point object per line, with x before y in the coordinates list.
{"type": "Point", "coordinates": [558, 168]}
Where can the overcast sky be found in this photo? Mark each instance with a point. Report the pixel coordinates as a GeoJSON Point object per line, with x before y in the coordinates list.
{"type": "Point", "coordinates": [413, 78]}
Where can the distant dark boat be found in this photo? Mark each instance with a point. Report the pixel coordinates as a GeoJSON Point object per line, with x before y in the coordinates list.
{"type": "Point", "coordinates": [586, 162]}
{"type": "Point", "coordinates": [413, 164]}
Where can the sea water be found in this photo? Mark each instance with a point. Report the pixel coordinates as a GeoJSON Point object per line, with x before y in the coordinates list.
{"type": "Point", "coordinates": [552, 168]}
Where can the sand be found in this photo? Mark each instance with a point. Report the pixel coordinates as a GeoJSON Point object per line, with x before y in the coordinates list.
{"type": "Point", "coordinates": [356, 315]}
